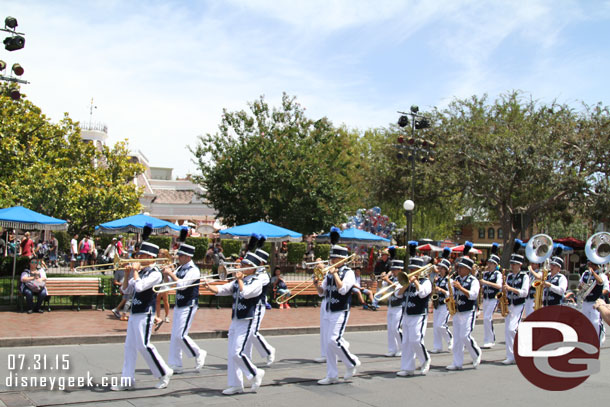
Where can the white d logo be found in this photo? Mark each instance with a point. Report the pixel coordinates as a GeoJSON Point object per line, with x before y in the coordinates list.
{"type": "Point", "coordinates": [525, 338]}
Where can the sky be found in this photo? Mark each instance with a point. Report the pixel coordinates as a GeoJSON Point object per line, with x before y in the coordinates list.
{"type": "Point", "coordinates": [161, 72]}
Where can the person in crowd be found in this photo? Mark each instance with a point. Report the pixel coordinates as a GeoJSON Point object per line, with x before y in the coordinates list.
{"type": "Point", "coordinates": [110, 251]}
{"type": "Point", "coordinates": [53, 251]}
{"type": "Point", "coordinates": [163, 296]}
{"type": "Point", "coordinates": [279, 286]}
{"type": "Point", "coordinates": [358, 290]}
{"type": "Point", "coordinates": [83, 251]}
{"type": "Point", "coordinates": [33, 285]}
{"type": "Point", "coordinates": [28, 248]}
{"type": "Point", "coordinates": [73, 251]}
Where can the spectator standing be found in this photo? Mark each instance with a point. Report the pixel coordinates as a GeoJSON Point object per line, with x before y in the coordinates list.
{"type": "Point", "coordinates": [83, 250]}
{"type": "Point", "coordinates": [73, 251]}
{"type": "Point", "coordinates": [119, 246]}
{"type": "Point", "coordinates": [110, 251]}
{"type": "Point", "coordinates": [53, 250]}
{"type": "Point", "coordinates": [2, 246]}
{"type": "Point", "coordinates": [27, 246]}
{"type": "Point", "coordinates": [92, 251]}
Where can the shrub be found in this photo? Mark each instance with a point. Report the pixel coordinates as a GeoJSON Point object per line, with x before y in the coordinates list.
{"type": "Point", "coordinates": [164, 242]}
{"type": "Point", "coordinates": [322, 251]}
{"type": "Point", "coordinates": [201, 246]}
{"type": "Point", "coordinates": [231, 247]}
{"type": "Point", "coordinates": [296, 252]}
{"type": "Point", "coordinates": [6, 266]}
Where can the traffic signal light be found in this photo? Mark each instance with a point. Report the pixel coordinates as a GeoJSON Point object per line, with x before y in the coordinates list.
{"type": "Point", "coordinates": [401, 139]}
{"type": "Point", "coordinates": [422, 123]}
{"type": "Point", "coordinates": [14, 43]}
{"type": "Point", "coordinates": [403, 121]}
{"type": "Point", "coordinates": [17, 69]}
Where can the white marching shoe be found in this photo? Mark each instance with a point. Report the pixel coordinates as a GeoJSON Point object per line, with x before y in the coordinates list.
{"type": "Point", "coordinates": [435, 351]}
{"type": "Point", "coordinates": [200, 361]}
{"type": "Point", "coordinates": [477, 361]}
{"type": "Point", "coordinates": [232, 390]}
{"type": "Point", "coordinates": [118, 387]}
{"type": "Point", "coordinates": [425, 367]}
{"type": "Point", "coordinates": [389, 355]}
{"type": "Point", "coordinates": [321, 359]}
{"type": "Point", "coordinates": [488, 345]}
{"type": "Point", "coordinates": [328, 380]}
{"type": "Point", "coordinates": [405, 373]}
{"type": "Point", "coordinates": [453, 367]}
{"type": "Point", "coordinates": [164, 380]}
{"type": "Point", "coordinates": [508, 362]}
{"type": "Point", "coordinates": [258, 379]}
{"type": "Point", "coordinates": [271, 357]}
{"type": "Point", "coordinates": [351, 371]}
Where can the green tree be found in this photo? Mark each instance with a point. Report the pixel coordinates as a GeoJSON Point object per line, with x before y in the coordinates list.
{"type": "Point", "coordinates": [48, 168]}
{"type": "Point", "coordinates": [277, 165]}
{"type": "Point", "coordinates": [517, 156]}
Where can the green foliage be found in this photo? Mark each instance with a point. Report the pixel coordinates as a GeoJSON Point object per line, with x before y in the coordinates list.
{"type": "Point", "coordinates": [296, 252]}
{"type": "Point", "coordinates": [6, 266]}
{"type": "Point", "coordinates": [321, 251]}
{"type": "Point", "coordinates": [401, 253]}
{"type": "Point", "coordinates": [277, 165]}
{"type": "Point", "coordinates": [63, 241]}
{"type": "Point", "coordinates": [201, 246]}
{"type": "Point", "coordinates": [268, 247]}
{"type": "Point", "coordinates": [48, 168]}
{"type": "Point", "coordinates": [231, 247]}
{"type": "Point", "coordinates": [164, 242]}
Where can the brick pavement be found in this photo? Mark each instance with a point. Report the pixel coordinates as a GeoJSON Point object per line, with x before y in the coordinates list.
{"type": "Point", "coordinates": [96, 326]}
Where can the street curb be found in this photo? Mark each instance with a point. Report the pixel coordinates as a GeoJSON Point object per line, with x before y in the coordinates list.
{"type": "Point", "coordinates": [98, 339]}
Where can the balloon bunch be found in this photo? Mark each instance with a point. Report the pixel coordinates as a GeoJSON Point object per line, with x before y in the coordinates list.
{"type": "Point", "coordinates": [371, 220]}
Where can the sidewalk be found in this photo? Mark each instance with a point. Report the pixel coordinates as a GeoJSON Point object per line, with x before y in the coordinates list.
{"type": "Point", "coordinates": [66, 327]}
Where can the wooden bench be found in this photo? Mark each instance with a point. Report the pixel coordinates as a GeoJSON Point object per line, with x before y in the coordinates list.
{"type": "Point", "coordinates": [72, 287]}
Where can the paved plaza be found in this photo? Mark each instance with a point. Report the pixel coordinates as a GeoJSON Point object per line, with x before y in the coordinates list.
{"type": "Point", "coordinates": [291, 380]}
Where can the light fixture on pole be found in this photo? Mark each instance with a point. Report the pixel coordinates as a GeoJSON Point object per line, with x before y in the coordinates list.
{"type": "Point", "coordinates": [408, 206]}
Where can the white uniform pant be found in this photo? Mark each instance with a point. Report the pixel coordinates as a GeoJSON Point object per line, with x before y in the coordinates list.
{"type": "Point", "coordinates": [336, 346]}
{"type": "Point", "coordinates": [257, 340]}
{"type": "Point", "coordinates": [441, 326]}
{"type": "Point", "coordinates": [180, 341]}
{"type": "Point", "coordinates": [238, 362]}
{"type": "Point", "coordinates": [139, 329]}
{"type": "Point", "coordinates": [529, 307]}
{"type": "Point", "coordinates": [413, 332]}
{"type": "Point", "coordinates": [323, 328]}
{"type": "Point", "coordinates": [511, 324]}
{"type": "Point", "coordinates": [489, 307]}
{"type": "Point", "coordinates": [463, 324]}
{"type": "Point", "coordinates": [394, 326]}
{"type": "Point", "coordinates": [593, 316]}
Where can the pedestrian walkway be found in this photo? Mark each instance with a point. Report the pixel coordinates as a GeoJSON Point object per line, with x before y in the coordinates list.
{"type": "Point", "coordinates": [63, 327]}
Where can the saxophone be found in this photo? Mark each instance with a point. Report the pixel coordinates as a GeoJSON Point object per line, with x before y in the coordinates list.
{"type": "Point", "coordinates": [450, 301]}
{"type": "Point", "coordinates": [502, 297]}
{"type": "Point", "coordinates": [539, 286]}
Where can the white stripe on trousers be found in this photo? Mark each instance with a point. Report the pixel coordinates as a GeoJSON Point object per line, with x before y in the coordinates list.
{"type": "Point", "coordinates": [180, 341]}
{"type": "Point", "coordinates": [413, 332]}
{"type": "Point", "coordinates": [463, 324]}
{"type": "Point", "coordinates": [511, 324]}
{"type": "Point", "coordinates": [238, 362]}
{"type": "Point", "coordinates": [139, 328]}
{"type": "Point", "coordinates": [336, 345]}
{"type": "Point", "coordinates": [441, 327]}
{"type": "Point", "coordinates": [489, 307]}
{"type": "Point", "coordinates": [595, 318]}
{"type": "Point", "coordinates": [257, 340]}
{"type": "Point", "coordinates": [394, 322]}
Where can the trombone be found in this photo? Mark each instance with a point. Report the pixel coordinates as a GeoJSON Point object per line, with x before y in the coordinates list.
{"type": "Point", "coordinates": [319, 273]}
{"type": "Point", "coordinates": [172, 285]}
{"type": "Point", "coordinates": [403, 280]}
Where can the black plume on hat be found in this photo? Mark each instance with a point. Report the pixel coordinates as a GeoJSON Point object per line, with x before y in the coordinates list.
{"type": "Point", "coordinates": [446, 253]}
{"type": "Point", "coordinates": [467, 247]}
{"type": "Point", "coordinates": [147, 231]}
{"type": "Point", "coordinates": [184, 231]}
{"type": "Point", "coordinates": [334, 235]}
{"type": "Point", "coordinates": [392, 251]}
{"type": "Point", "coordinates": [261, 241]}
{"type": "Point", "coordinates": [252, 243]}
{"type": "Point", "coordinates": [494, 248]}
{"type": "Point", "coordinates": [517, 246]}
{"type": "Point", "coordinates": [412, 247]}
{"type": "Point", "coordinates": [558, 250]}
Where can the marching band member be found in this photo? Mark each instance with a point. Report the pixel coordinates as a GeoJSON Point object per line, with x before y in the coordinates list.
{"type": "Point", "coordinates": [516, 287]}
{"type": "Point", "coordinates": [258, 340]}
{"type": "Point", "coordinates": [336, 289]}
{"type": "Point", "coordinates": [140, 322]}
{"type": "Point", "coordinates": [556, 283]}
{"type": "Point", "coordinates": [534, 274]}
{"type": "Point", "coordinates": [414, 324]}
{"type": "Point", "coordinates": [395, 313]}
{"type": "Point", "coordinates": [246, 291]}
{"type": "Point", "coordinates": [466, 294]}
{"type": "Point", "coordinates": [441, 314]}
{"type": "Point", "coordinates": [601, 284]}
{"type": "Point", "coordinates": [187, 303]}
{"type": "Point", "coordinates": [492, 283]}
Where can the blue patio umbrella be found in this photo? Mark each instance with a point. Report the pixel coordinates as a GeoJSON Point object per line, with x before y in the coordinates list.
{"type": "Point", "coordinates": [356, 236]}
{"type": "Point", "coordinates": [136, 223]}
{"type": "Point", "coordinates": [18, 217]}
{"type": "Point", "coordinates": [272, 232]}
